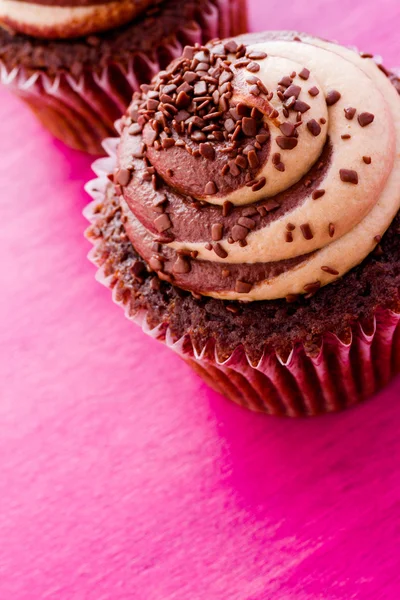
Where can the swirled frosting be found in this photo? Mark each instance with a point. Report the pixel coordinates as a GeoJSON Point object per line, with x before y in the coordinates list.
{"type": "Point", "coordinates": [67, 18]}
{"type": "Point", "coordinates": [260, 168]}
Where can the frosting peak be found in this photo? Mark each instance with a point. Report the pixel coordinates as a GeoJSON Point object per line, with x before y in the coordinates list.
{"type": "Point", "coordinates": [270, 166]}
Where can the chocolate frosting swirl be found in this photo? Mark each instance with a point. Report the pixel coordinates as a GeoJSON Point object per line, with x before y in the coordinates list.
{"type": "Point", "coordinates": [261, 167]}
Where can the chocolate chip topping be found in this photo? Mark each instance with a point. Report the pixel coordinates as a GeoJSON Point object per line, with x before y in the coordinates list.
{"type": "Point", "coordinates": [210, 188]}
{"type": "Point", "coordinates": [162, 223]}
{"type": "Point", "coordinates": [182, 265]}
{"type": "Point", "coordinates": [287, 128]}
{"type": "Point", "coordinates": [306, 231]}
{"type": "Point", "coordinates": [123, 177]}
{"type": "Point", "coordinates": [314, 91]}
{"type": "Point", "coordinates": [257, 55]}
{"type": "Point", "coordinates": [288, 237]}
{"type": "Point", "coordinates": [242, 287]}
{"type": "Point", "coordinates": [313, 127]}
{"type": "Point", "coordinates": [216, 232]}
{"type": "Point", "coordinates": [349, 113]}
{"type": "Point", "coordinates": [332, 97]}
{"type": "Point", "coordinates": [330, 270]}
{"type": "Point", "coordinates": [304, 73]}
{"type": "Point", "coordinates": [292, 90]}
{"type": "Point", "coordinates": [286, 143]}
{"type": "Point", "coordinates": [349, 176]}
{"type": "Point", "coordinates": [318, 194]}
{"type": "Point", "coordinates": [239, 232]}
{"type": "Point", "coordinates": [365, 118]}
{"type": "Point", "coordinates": [207, 151]}
{"type": "Point", "coordinates": [301, 106]}
{"type": "Point", "coordinates": [219, 250]}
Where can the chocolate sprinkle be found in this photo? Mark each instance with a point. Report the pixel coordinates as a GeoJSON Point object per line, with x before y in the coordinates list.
{"type": "Point", "coordinates": [332, 97]}
{"type": "Point", "coordinates": [330, 270]}
{"type": "Point", "coordinates": [249, 126]}
{"type": "Point", "coordinates": [286, 143]}
{"type": "Point", "coordinates": [306, 231]}
{"type": "Point", "coordinates": [285, 81]}
{"type": "Point", "coordinates": [182, 265]}
{"type": "Point", "coordinates": [313, 287]}
{"type": "Point", "coordinates": [162, 223]}
{"type": "Point", "coordinates": [349, 113]}
{"type": "Point", "coordinates": [156, 263]}
{"type": "Point", "coordinates": [287, 128]}
{"type": "Point", "coordinates": [253, 67]}
{"type": "Point", "coordinates": [313, 127]}
{"type": "Point", "coordinates": [314, 91]}
{"type": "Point", "coordinates": [301, 106]}
{"type": "Point", "coordinates": [207, 151]}
{"type": "Point", "coordinates": [227, 208]}
{"type": "Point", "coordinates": [247, 222]}
{"type": "Point", "coordinates": [210, 188]}
{"type": "Point", "coordinates": [253, 159]}
{"type": "Point", "coordinates": [123, 177]}
{"type": "Point", "coordinates": [239, 232]}
{"type": "Point", "coordinates": [349, 176]}
{"type": "Point", "coordinates": [257, 55]}
{"type": "Point", "coordinates": [271, 204]}
{"type": "Point", "coordinates": [259, 184]}
{"type": "Point", "coordinates": [317, 194]}
{"type": "Point", "coordinates": [365, 118]}
{"type": "Point", "coordinates": [219, 250]}
{"type": "Point", "coordinates": [242, 287]}
{"type": "Point", "coordinates": [292, 90]}
{"type": "Point", "coordinates": [288, 236]}
{"type": "Point", "coordinates": [304, 74]}
{"type": "Point", "coordinates": [216, 232]}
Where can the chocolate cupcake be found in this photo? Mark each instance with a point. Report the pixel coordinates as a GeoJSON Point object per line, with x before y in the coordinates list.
{"type": "Point", "coordinates": [248, 217]}
{"type": "Point", "coordinates": [76, 63]}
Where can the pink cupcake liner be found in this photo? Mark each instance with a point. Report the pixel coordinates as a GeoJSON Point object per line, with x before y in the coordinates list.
{"type": "Point", "coordinates": [81, 111]}
{"type": "Point", "coordinates": [342, 373]}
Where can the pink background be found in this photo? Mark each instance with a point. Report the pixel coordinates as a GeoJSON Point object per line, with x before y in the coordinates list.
{"type": "Point", "coordinates": [121, 475]}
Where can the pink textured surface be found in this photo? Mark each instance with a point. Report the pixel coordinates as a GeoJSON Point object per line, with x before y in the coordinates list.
{"type": "Point", "coordinates": [121, 475]}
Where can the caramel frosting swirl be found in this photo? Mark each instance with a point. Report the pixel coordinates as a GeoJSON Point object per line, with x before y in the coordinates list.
{"type": "Point", "coordinates": [67, 18]}
{"type": "Point", "coordinates": [260, 168]}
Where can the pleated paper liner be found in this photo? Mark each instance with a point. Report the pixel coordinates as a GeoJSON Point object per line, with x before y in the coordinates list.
{"type": "Point", "coordinates": [81, 111]}
{"type": "Point", "coordinates": [342, 373]}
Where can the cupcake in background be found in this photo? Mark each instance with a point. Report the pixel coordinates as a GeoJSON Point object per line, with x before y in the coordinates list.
{"type": "Point", "coordinates": [248, 216]}
{"type": "Point", "coordinates": [68, 18]}
{"type": "Point", "coordinates": [76, 63]}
